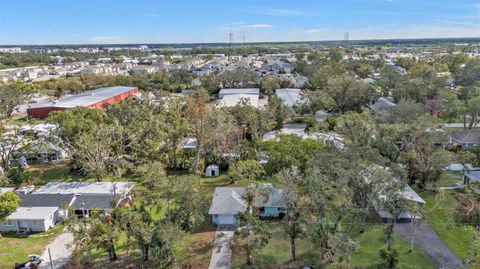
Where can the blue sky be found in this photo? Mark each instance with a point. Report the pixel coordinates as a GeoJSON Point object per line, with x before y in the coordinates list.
{"type": "Point", "coordinates": [186, 21]}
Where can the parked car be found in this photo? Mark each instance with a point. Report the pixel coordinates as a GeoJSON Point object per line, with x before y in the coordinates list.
{"type": "Point", "coordinates": [34, 262]}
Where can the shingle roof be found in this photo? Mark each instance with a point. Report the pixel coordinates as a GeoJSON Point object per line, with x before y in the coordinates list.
{"type": "Point", "coordinates": [466, 136]}
{"type": "Point", "coordinates": [32, 213]}
{"type": "Point", "coordinates": [228, 200]}
{"type": "Point", "coordinates": [45, 200]}
{"type": "Point", "coordinates": [95, 201]}
{"type": "Point", "coordinates": [473, 175]}
{"type": "Point", "coordinates": [273, 197]}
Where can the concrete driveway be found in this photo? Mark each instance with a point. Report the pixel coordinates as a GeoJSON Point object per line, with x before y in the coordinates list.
{"type": "Point", "coordinates": [427, 240]}
{"type": "Point", "coordinates": [222, 248]}
{"type": "Point", "coordinates": [58, 249]}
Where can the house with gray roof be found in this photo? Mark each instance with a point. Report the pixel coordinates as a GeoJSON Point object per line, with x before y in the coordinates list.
{"type": "Point", "coordinates": [467, 139]}
{"type": "Point", "coordinates": [289, 97]}
{"type": "Point", "coordinates": [227, 202]}
{"type": "Point", "coordinates": [472, 176]}
{"type": "Point", "coordinates": [30, 219]}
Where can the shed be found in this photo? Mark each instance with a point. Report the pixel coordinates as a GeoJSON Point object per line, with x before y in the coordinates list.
{"type": "Point", "coordinates": [212, 171]}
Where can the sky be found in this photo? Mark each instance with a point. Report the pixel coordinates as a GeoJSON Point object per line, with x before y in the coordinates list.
{"type": "Point", "coordinates": [24, 22]}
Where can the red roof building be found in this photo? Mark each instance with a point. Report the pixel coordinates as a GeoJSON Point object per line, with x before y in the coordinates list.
{"type": "Point", "coordinates": [91, 99]}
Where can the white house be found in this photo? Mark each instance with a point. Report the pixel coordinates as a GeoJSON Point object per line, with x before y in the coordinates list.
{"type": "Point", "coordinates": [34, 219]}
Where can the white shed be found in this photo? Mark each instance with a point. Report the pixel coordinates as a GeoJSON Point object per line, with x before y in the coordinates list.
{"type": "Point", "coordinates": [212, 171]}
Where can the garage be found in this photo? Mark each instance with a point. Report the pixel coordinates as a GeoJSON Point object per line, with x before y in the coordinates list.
{"type": "Point", "coordinates": [226, 219]}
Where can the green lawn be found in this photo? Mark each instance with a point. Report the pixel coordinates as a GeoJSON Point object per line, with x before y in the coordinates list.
{"type": "Point", "coordinates": [277, 252]}
{"type": "Point", "coordinates": [14, 248]}
{"type": "Point", "coordinates": [450, 178]}
{"type": "Point", "coordinates": [441, 219]}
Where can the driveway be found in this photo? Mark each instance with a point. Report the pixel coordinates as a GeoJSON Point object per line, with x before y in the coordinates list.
{"type": "Point", "coordinates": [222, 248]}
{"type": "Point", "coordinates": [427, 240]}
{"type": "Point", "coordinates": [58, 249]}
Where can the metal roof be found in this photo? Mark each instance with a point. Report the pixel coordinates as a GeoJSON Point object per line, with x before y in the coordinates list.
{"type": "Point", "coordinates": [86, 187]}
{"type": "Point", "coordinates": [234, 99]}
{"type": "Point", "coordinates": [223, 92]}
{"type": "Point", "coordinates": [85, 98]}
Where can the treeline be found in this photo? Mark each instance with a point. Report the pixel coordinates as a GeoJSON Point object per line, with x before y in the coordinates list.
{"type": "Point", "coordinates": [12, 60]}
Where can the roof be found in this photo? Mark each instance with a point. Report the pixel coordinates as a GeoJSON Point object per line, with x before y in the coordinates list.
{"type": "Point", "coordinates": [6, 189]}
{"type": "Point", "coordinates": [228, 201]}
{"type": "Point", "coordinates": [86, 187]}
{"type": "Point", "coordinates": [290, 97]}
{"type": "Point", "coordinates": [383, 104]}
{"type": "Point", "coordinates": [409, 194]}
{"type": "Point", "coordinates": [273, 198]}
{"type": "Point", "coordinates": [466, 136]}
{"type": "Point", "coordinates": [85, 98]}
{"type": "Point", "coordinates": [473, 175]}
{"type": "Point", "coordinates": [32, 213]}
{"type": "Point", "coordinates": [45, 200]}
{"type": "Point", "coordinates": [95, 201]}
{"type": "Point", "coordinates": [223, 92]}
{"type": "Point", "coordinates": [234, 99]}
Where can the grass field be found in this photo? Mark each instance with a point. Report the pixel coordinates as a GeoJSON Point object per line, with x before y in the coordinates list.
{"type": "Point", "coordinates": [14, 248]}
{"type": "Point", "coordinates": [449, 178]}
{"type": "Point", "coordinates": [277, 253]}
{"type": "Point", "coordinates": [441, 219]}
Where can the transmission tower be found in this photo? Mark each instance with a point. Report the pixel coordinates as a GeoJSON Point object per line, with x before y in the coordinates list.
{"type": "Point", "coordinates": [346, 37]}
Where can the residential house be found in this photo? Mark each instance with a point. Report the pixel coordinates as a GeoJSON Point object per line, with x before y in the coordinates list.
{"type": "Point", "coordinates": [30, 219]}
{"type": "Point", "coordinates": [228, 202]}
{"type": "Point", "coordinates": [471, 176]}
{"type": "Point", "coordinates": [467, 139]}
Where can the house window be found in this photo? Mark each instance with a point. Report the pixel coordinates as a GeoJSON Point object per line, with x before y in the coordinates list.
{"type": "Point", "coordinates": [35, 222]}
{"type": "Point", "coordinates": [7, 223]}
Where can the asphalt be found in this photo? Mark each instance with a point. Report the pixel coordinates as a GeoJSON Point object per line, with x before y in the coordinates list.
{"type": "Point", "coordinates": [428, 241]}
{"type": "Point", "coordinates": [222, 248]}
{"type": "Point", "coordinates": [59, 250]}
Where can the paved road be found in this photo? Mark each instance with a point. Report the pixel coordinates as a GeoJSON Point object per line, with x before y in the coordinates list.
{"type": "Point", "coordinates": [222, 251]}
{"type": "Point", "coordinates": [427, 240]}
{"type": "Point", "coordinates": [59, 250]}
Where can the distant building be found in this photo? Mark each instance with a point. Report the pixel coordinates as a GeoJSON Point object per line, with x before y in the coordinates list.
{"type": "Point", "coordinates": [90, 99]}
{"type": "Point", "coordinates": [383, 104]}
{"type": "Point", "coordinates": [232, 97]}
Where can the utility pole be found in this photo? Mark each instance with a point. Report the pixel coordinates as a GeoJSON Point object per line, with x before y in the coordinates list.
{"type": "Point", "coordinates": [50, 256]}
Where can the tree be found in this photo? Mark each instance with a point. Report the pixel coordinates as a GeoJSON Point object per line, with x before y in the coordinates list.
{"type": "Point", "coordinates": [10, 143]}
{"type": "Point", "coordinates": [470, 74]}
{"type": "Point", "coordinates": [255, 232]}
{"type": "Point", "coordinates": [199, 114]}
{"type": "Point", "coordinates": [349, 93]}
{"type": "Point", "coordinates": [295, 224]}
{"type": "Point", "coordinates": [9, 202]}
{"type": "Point", "coordinates": [356, 127]}
{"type": "Point", "coordinates": [192, 205]}
{"type": "Point", "coordinates": [240, 77]}
{"type": "Point", "coordinates": [177, 127]}
{"type": "Point", "coordinates": [245, 170]}
{"type": "Point", "coordinates": [13, 95]}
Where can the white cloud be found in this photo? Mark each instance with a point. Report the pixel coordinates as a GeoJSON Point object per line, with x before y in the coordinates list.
{"type": "Point", "coordinates": [258, 25]}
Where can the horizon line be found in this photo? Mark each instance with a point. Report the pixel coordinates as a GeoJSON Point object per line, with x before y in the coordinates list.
{"type": "Point", "coordinates": [240, 43]}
